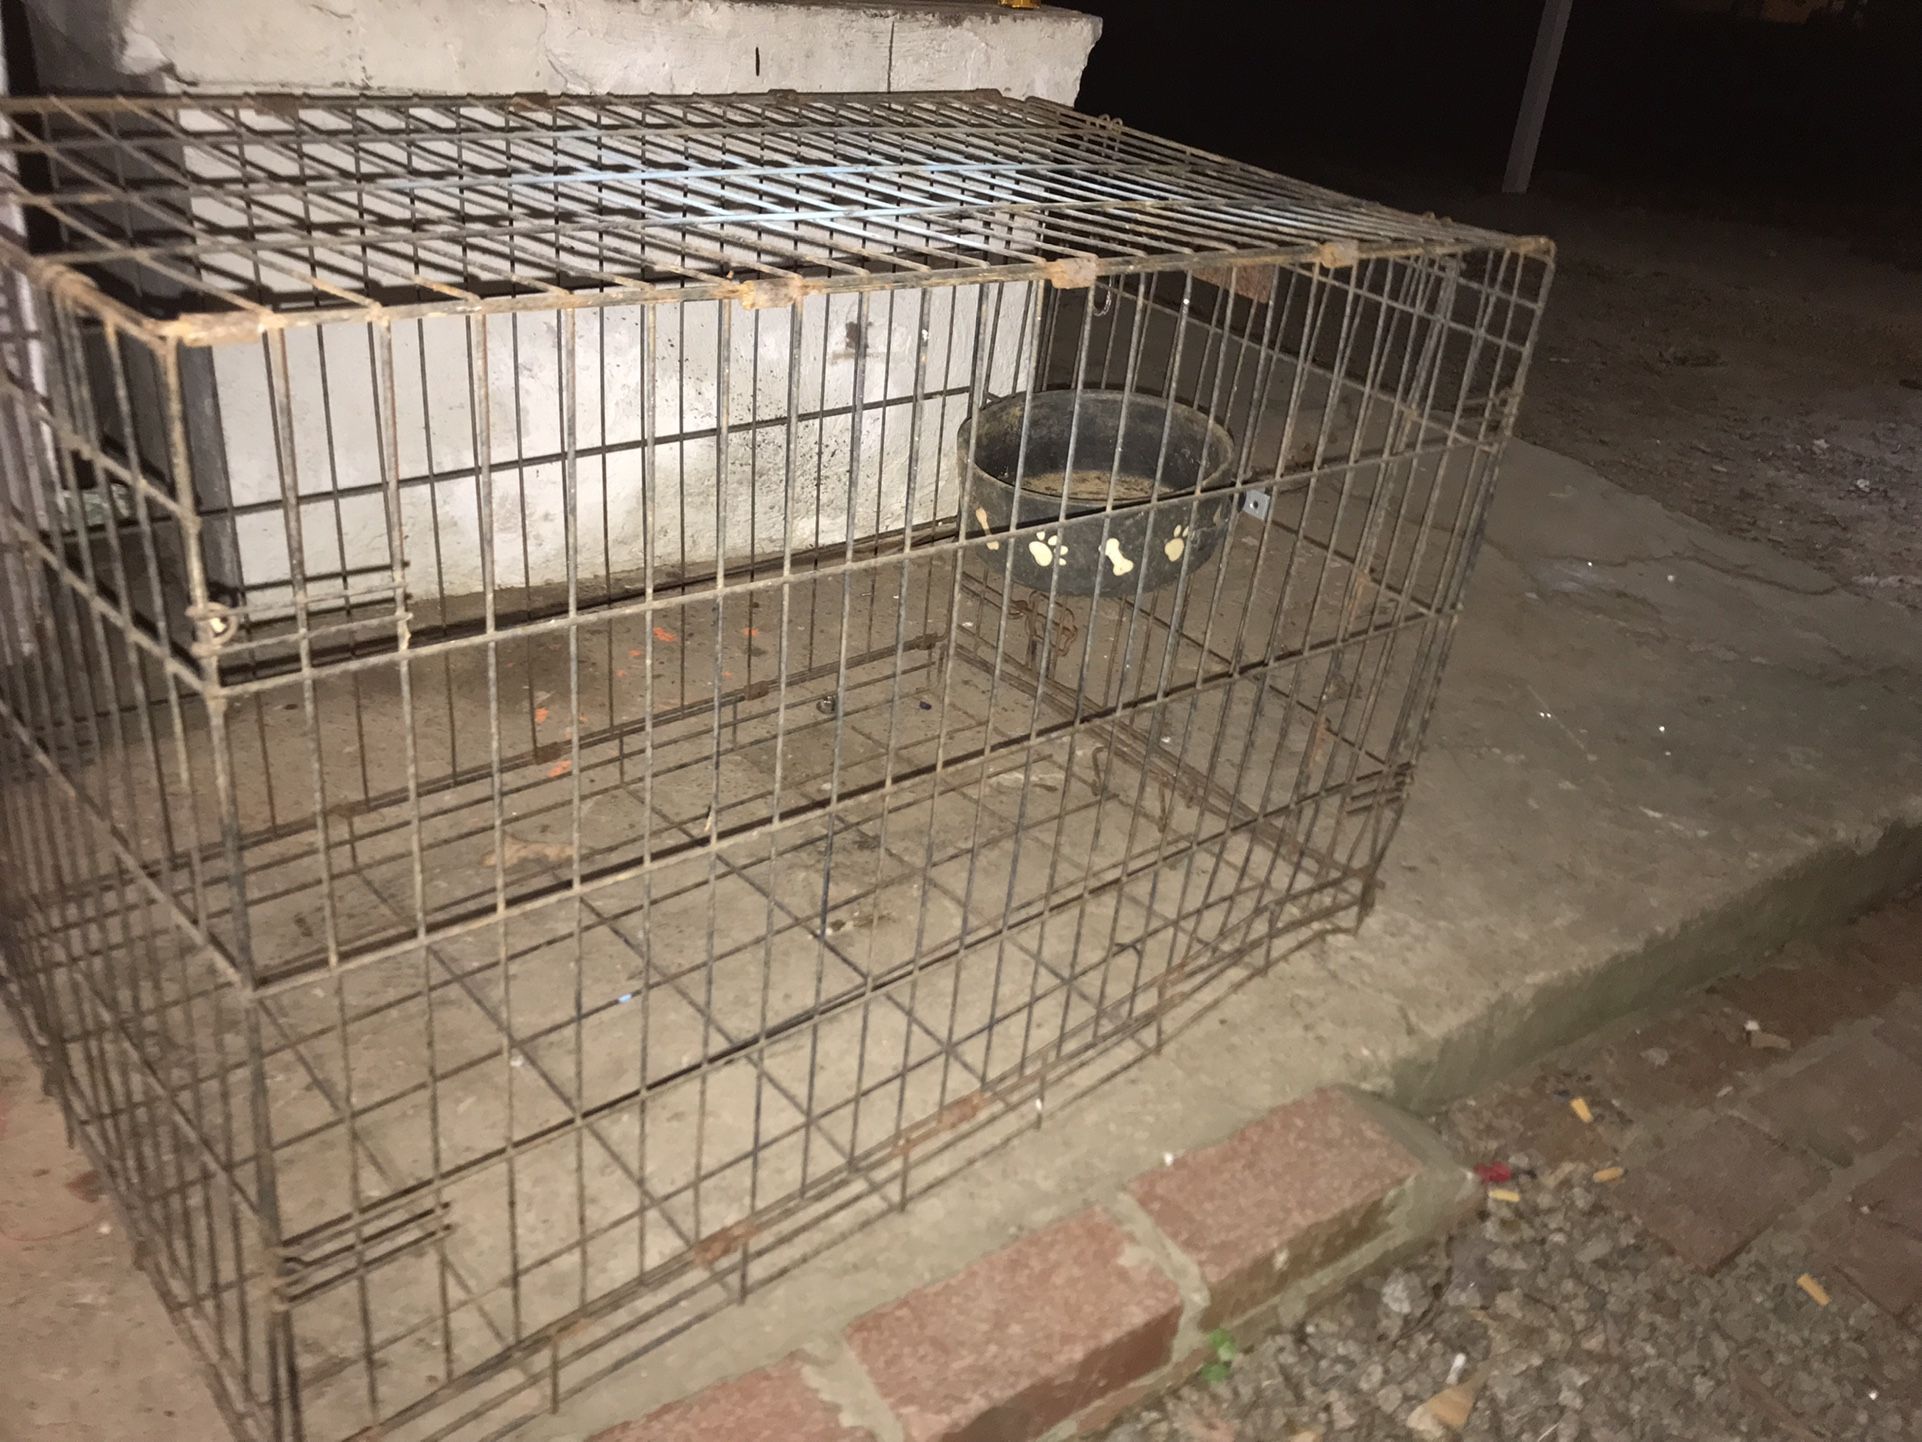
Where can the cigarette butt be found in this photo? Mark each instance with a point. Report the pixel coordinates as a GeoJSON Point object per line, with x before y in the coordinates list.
{"type": "Point", "coordinates": [1817, 1292]}
{"type": "Point", "coordinates": [1580, 1107]}
{"type": "Point", "coordinates": [1503, 1194]}
{"type": "Point", "coordinates": [1609, 1174]}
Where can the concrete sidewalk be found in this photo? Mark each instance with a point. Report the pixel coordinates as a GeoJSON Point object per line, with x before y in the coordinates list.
{"type": "Point", "coordinates": [1659, 753]}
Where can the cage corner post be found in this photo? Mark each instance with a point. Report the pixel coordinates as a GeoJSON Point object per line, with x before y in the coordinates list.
{"type": "Point", "coordinates": [25, 968]}
{"type": "Point", "coordinates": [212, 629]}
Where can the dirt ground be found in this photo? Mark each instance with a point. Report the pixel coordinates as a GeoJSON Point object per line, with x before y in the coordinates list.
{"type": "Point", "coordinates": [1763, 379]}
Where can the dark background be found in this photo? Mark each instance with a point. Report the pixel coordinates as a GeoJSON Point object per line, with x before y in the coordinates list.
{"type": "Point", "coordinates": [1817, 123]}
{"type": "Point", "coordinates": [1735, 326]}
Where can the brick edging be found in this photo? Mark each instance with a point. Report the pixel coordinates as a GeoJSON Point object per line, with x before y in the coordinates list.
{"type": "Point", "coordinates": [1060, 1331]}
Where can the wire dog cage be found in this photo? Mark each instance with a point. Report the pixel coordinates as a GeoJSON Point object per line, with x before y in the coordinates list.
{"type": "Point", "coordinates": [597, 690]}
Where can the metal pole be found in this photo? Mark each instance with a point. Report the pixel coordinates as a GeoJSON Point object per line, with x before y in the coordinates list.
{"type": "Point", "coordinates": [1541, 78]}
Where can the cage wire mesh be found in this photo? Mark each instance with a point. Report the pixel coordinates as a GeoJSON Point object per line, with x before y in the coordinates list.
{"type": "Point", "coordinates": [598, 691]}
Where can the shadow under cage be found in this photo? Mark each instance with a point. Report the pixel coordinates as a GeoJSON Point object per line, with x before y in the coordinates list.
{"type": "Point", "coordinates": [598, 691]}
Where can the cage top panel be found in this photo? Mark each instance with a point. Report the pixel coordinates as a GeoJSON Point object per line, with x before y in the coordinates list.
{"type": "Point", "coordinates": [213, 218]}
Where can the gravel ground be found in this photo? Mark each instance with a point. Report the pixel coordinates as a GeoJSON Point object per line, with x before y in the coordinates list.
{"type": "Point", "coordinates": [1565, 1322]}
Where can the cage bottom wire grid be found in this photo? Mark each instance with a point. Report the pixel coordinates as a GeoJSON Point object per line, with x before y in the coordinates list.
{"type": "Point", "coordinates": [491, 888]}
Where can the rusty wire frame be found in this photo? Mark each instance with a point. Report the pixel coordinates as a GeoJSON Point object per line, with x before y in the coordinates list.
{"type": "Point", "coordinates": [532, 800]}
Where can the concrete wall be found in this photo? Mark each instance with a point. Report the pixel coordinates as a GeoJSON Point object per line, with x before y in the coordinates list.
{"type": "Point", "coordinates": [642, 393]}
{"type": "Point", "coordinates": [578, 46]}
{"type": "Point", "coordinates": [24, 508]}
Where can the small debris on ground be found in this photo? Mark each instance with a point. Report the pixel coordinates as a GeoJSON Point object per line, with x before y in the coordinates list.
{"type": "Point", "coordinates": [514, 851]}
{"type": "Point", "coordinates": [1403, 1294]}
{"type": "Point", "coordinates": [1565, 1322]}
{"type": "Point", "coordinates": [1443, 1415]}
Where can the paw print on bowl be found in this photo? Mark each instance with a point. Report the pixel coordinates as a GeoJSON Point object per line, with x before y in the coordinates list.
{"type": "Point", "coordinates": [1047, 550]}
{"type": "Point", "coordinates": [1176, 544]}
{"type": "Point", "coordinates": [981, 515]}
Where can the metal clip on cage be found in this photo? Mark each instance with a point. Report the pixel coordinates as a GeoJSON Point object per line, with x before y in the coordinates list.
{"type": "Point", "coordinates": [597, 691]}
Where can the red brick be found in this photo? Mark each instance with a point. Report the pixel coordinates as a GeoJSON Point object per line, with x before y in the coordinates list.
{"type": "Point", "coordinates": [1894, 1195]}
{"type": "Point", "coordinates": [1716, 1191]}
{"type": "Point", "coordinates": [1279, 1198]}
{"type": "Point", "coordinates": [1884, 1261]}
{"type": "Point", "coordinates": [1682, 1060]}
{"type": "Point", "coordinates": [1024, 1338]}
{"type": "Point", "coordinates": [1817, 991]}
{"type": "Point", "coordinates": [1891, 941]}
{"type": "Point", "coordinates": [775, 1404]}
{"type": "Point", "coordinates": [1532, 1112]}
{"type": "Point", "coordinates": [1846, 1104]}
{"type": "Point", "coordinates": [1112, 1408]}
{"type": "Point", "coordinates": [1901, 1027]}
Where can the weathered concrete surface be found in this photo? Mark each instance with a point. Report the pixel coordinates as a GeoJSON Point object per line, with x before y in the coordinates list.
{"type": "Point", "coordinates": [89, 1352]}
{"type": "Point", "coordinates": [1658, 754]}
{"type": "Point", "coordinates": [655, 47]}
{"type": "Point", "coordinates": [633, 502]}
{"type": "Point", "coordinates": [635, 47]}
{"type": "Point", "coordinates": [1731, 753]}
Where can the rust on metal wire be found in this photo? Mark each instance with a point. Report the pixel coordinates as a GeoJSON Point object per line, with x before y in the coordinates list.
{"type": "Point", "coordinates": [1075, 272]}
{"type": "Point", "coordinates": [955, 1115]}
{"type": "Point", "coordinates": [276, 158]}
{"type": "Point", "coordinates": [724, 1243]}
{"type": "Point", "coordinates": [776, 292]}
{"type": "Point", "coordinates": [1338, 254]}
